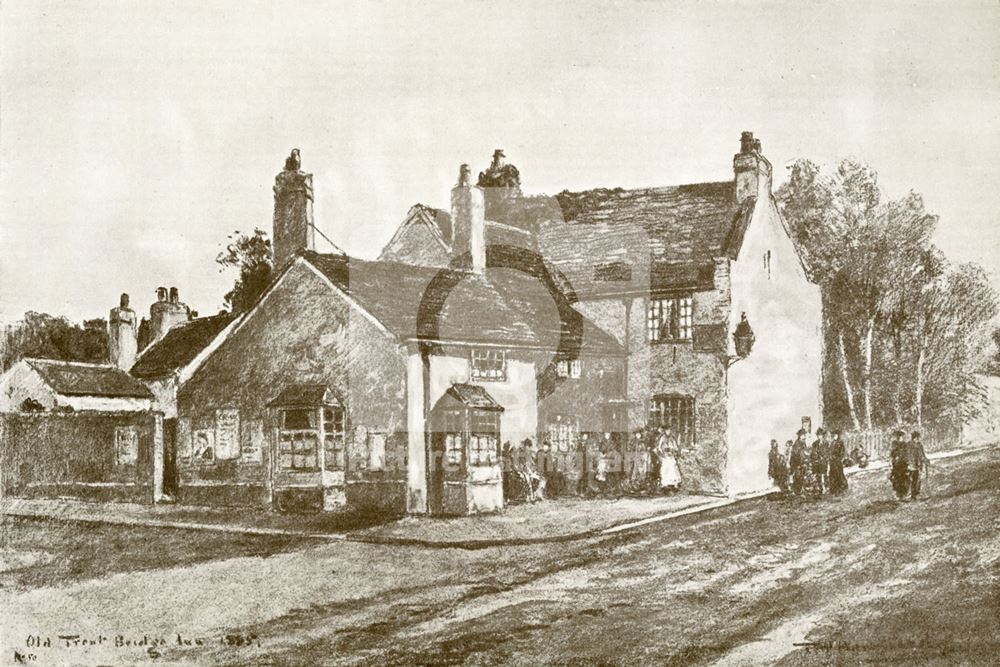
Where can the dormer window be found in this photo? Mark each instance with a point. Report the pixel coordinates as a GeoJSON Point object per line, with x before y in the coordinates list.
{"type": "Point", "coordinates": [489, 365]}
{"type": "Point", "coordinates": [569, 368]}
{"type": "Point", "coordinates": [670, 319]}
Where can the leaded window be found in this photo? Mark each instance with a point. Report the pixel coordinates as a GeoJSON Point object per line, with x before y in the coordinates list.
{"type": "Point", "coordinates": [670, 319]}
{"type": "Point", "coordinates": [675, 412]}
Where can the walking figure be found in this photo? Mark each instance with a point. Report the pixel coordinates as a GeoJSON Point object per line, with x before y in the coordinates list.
{"type": "Point", "coordinates": [777, 467]}
{"type": "Point", "coordinates": [838, 455]}
{"type": "Point", "coordinates": [898, 470]}
{"type": "Point", "coordinates": [820, 460]}
{"type": "Point", "coordinates": [798, 462]}
{"type": "Point", "coordinates": [916, 462]}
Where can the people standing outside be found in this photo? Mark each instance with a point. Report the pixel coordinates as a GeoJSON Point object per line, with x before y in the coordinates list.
{"type": "Point", "coordinates": [838, 454]}
{"type": "Point", "coordinates": [798, 462]}
{"type": "Point", "coordinates": [898, 469]}
{"type": "Point", "coordinates": [777, 467]}
{"type": "Point", "coordinates": [637, 463]}
{"type": "Point", "coordinates": [507, 471]}
{"type": "Point", "coordinates": [603, 472]}
{"type": "Point", "coordinates": [916, 463]}
{"type": "Point", "coordinates": [820, 461]}
{"type": "Point", "coordinates": [666, 450]}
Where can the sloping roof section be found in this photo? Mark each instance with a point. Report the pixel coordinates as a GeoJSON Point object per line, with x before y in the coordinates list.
{"type": "Point", "coordinates": [179, 347]}
{"type": "Point", "coordinates": [72, 378]}
{"type": "Point", "coordinates": [515, 306]}
{"type": "Point", "coordinates": [303, 395]}
{"type": "Point", "coordinates": [473, 396]}
{"type": "Point", "coordinates": [660, 238]}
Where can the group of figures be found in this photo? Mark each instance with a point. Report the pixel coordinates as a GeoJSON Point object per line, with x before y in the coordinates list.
{"type": "Point", "coordinates": [907, 465]}
{"type": "Point", "coordinates": [595, 465]}
{"type": "Point", "coordinates": [814, 468]}
{"type": "Point", "coordinates": [817, 468]}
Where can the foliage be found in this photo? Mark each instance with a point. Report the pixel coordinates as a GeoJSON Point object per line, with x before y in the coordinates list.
{"type": "Point", "coordinates": [252, 257]}
{"type": "Point", "coordinates": [905, 330]}
{"type": "Point", "coordinates": [49, 337]}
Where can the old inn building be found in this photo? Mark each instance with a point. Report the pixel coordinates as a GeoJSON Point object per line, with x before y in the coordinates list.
{"type": "Point", "coordinates": [392, 383]}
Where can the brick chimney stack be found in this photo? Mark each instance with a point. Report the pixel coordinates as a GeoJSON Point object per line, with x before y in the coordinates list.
{"type": "Point", "coordinates": [468, 223]}
{"type": "Point", "coordinates": [293, 211]}
{"type": "Point", "coordinates": [122, 335]}
{"type": "Point", "coordinates": [166, 312]}
{"type": "Point", "coordinates": [753, 171]}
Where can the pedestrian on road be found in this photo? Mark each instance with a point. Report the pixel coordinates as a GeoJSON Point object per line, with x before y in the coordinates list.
{"type": "Point", "coordinates": [838, 455]}
{"type": "Point", "coordinates": [820, 460]}
{"type": "Point", "coordinates": [898, 472]}
{"type": "Point", "coordinates": [777, 467]}
{"type": "Point", "coordinates": [916, 463]}
{"type": "Point", "coordinates": [798, 462]}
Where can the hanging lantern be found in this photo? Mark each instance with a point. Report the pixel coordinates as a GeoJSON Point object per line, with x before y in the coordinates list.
{"type": "Point", "coordinates": [743, 336]}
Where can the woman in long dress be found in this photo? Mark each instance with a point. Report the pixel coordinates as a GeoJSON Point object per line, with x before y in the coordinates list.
{"type": "Point", "coordinates": [666, 449]}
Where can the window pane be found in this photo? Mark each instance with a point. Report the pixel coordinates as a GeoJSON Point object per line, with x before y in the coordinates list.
{"type": "Point", "coordinates": [299, 419]}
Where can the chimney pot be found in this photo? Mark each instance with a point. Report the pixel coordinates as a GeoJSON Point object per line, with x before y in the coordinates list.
{"type": "Point", "coordinates": [174, 295]}
{"type": "Point", "coordinates": [752, 170]}
{"type": "Point", "coordinates": [122, 335]}
{"type": "Point", "coordinates": [161, 293]}
{"type": "Point", "coordinates": [468, 223]}
{"type": "Point", "coordinates": [293, 228]}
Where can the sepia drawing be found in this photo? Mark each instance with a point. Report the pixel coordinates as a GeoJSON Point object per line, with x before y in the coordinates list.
{"type": "Point", "coordinates": [626, 386]}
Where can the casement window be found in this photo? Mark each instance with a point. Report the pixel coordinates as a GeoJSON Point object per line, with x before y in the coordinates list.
{"type": "Point", "coordinates": [454, 429]}
{"type": "Point", "coordinates": [298, 443]}
{"type": "Point", "coordinates": [126, 445]}
{"type": "Point", "coordinates": [675, 412]}
{"type": "Point", "coordinates": [333, 432]}
{"type": "Point", "coordinates": [569, 368]}
{"type": "Point", "coordinates": [670, 319]}
{"type": "Point", "coordinates": [489, 365]}
{"type": "Point", "coordinates": [484, 437]}
{"type": "Point", "coordinates": [298, 440]}
{"type": "Point", "coordinates": [562, 432]}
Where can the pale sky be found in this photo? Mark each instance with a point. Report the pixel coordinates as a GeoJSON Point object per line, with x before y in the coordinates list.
{"type": "Point", "coordinates": [134, 136]}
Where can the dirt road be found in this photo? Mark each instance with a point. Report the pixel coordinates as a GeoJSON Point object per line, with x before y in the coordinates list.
{"type": "Point", "coordinates": [857, 580]}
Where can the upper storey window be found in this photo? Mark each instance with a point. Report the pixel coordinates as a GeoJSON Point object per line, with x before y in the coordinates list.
{"type": "Point", "coordinates": [670, 319]}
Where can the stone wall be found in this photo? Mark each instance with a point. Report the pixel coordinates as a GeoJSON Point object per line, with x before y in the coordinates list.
{"type": "Point", "coordinates": [677, 368]}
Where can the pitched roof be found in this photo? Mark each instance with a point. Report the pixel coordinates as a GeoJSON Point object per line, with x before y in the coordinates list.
{"type": "Point", "coordinates": [507, 306]}
{"type": "Point", "coordinates": [73, 378]}
{"type": "Point", "coordinates": [179, 347]}
{"type": "Point", "coordinates": [473, 396]}
{"type": "Point", "coordinates": [668, 237]}
{"type": "Point", "coordinates": [297, 395]}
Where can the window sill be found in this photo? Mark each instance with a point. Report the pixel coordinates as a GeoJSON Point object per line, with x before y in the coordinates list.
{"type": "Point", "coordinates": [672, 341]}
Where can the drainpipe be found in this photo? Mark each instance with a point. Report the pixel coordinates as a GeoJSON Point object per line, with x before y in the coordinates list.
{"type": "Point", "coordinates": [628, 350]}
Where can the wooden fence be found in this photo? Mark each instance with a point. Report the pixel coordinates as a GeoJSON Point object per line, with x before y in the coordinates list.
{"type": "Point", "coordinates": [876, 443]}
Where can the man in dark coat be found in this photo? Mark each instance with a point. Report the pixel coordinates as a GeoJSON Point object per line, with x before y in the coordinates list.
{"type": "Point", "coordinates": [820, 460]}
{"type": "Point", "coordinates": [777, 467]}
{"type": "Point", "coordinates": [798, 462]}
{"type": "Point", "coordinates": [916, 463]}
{"type": "Point", "coordinates": [838, 454]}
{"type": "Point", "coordinates": [898, 473]}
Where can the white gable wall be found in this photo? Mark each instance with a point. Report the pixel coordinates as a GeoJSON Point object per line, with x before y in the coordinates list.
{"type": "Point", "coordinates": [779, 382]}
{"type": "Point", "coordinates": [20, 383]}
